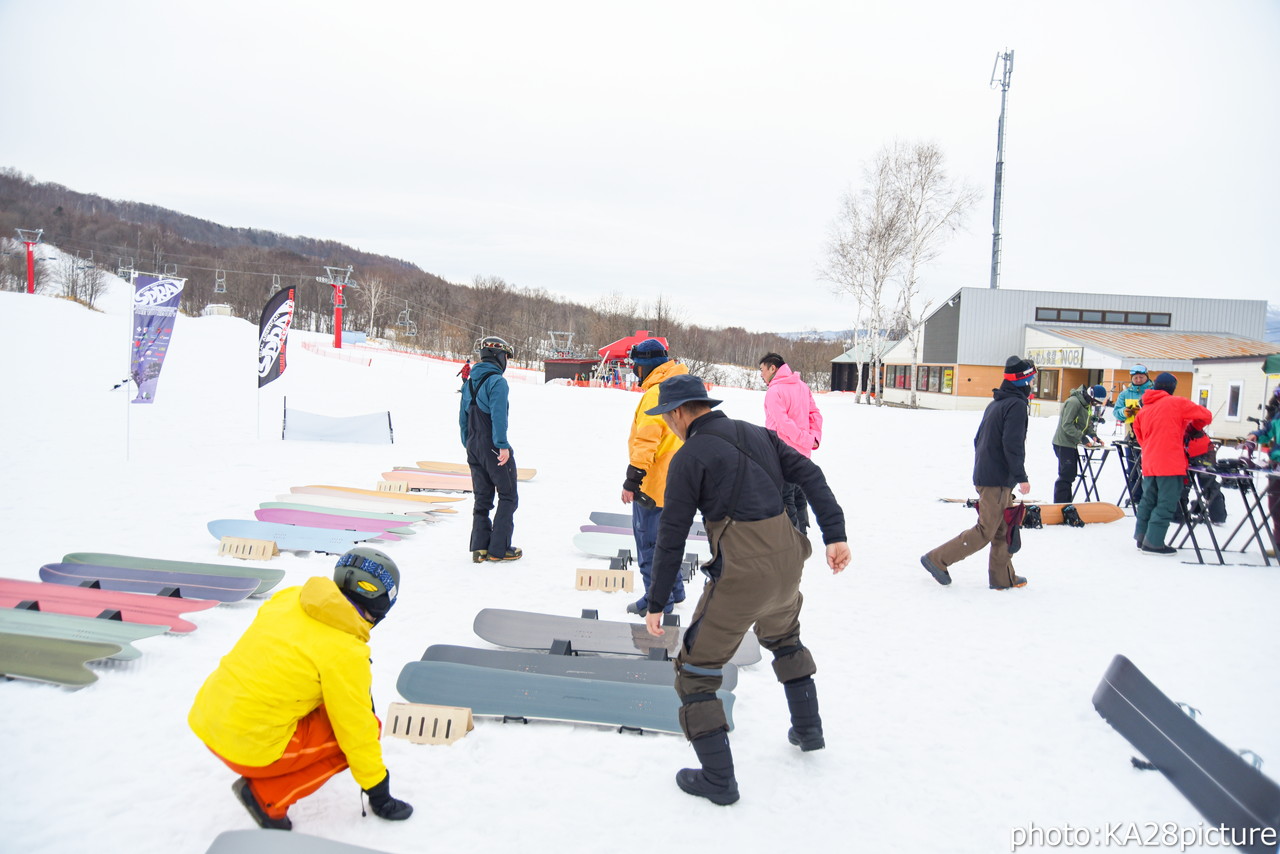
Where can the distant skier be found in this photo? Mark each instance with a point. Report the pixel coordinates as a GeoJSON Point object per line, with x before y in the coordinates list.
{"type": "Point", "coordinates": [290, 705]}
{"type": "Point", "coordinates": [482, 418]}
{"type": "Point", "coordinates": [999, 464]}
{"type": "Point", "coordinates": [464, 372]}
{"type": "Point", "coordinates": [790, 412]}
{"type": "Point", "coordinates": [650, 446]}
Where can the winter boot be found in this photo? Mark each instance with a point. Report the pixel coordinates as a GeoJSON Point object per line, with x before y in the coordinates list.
{"type": "Point", "coordinates": [715, 780]}
{"type": "Point", "coordinates": [479, 556]}
{"type": "Point", "coordinates": [245, 795]}
{"type": "Point", "coordinates": [806, 724]}
{"type": "Point", "coordinates": [513, 553]}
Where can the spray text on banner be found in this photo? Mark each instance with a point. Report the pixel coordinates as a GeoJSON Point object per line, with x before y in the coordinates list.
{"type": "Point", "coordinates": [273, 330]}
{"type": "Point", "coordinates": [155, 307]}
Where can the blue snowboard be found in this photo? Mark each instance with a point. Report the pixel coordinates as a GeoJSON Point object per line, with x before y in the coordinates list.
{"type": "Point", "coordinates": [291, 537]}
{"type": "Point", "coordinates": [538, 696]}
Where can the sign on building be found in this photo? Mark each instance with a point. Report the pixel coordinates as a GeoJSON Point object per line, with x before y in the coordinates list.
{"type": "Point", "coordinates": [1057, 357]}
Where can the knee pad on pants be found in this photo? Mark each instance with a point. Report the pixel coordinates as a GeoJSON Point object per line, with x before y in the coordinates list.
{"type": "Point", "coordinates": [704, 717]}
{"type": "Point", "coordinates": [793, 663]}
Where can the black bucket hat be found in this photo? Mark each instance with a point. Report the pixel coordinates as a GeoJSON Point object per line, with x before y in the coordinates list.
{"type": "Point", "coordinates": [679, 390]}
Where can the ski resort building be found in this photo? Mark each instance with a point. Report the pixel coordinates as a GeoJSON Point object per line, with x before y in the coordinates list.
{"type": "Point", "coordinates": [1213, 346]}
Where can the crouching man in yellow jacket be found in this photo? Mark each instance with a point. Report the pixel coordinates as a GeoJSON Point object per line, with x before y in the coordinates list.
{"type": "Point", "coordinates": [291, 705]}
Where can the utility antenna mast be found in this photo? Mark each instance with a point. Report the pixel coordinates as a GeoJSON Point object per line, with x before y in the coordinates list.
{"type": "Point", "coordinates": [1007, 59]}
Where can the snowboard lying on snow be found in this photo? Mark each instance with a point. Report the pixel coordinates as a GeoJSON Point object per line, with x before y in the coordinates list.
{"type": "Point", "coordinates": [1051, 514]}
{"type": "Point", "coordinates": [630, 669]}
{"type": "Point", "coordinates": [55, 660]}
{"type": "Point", "coordinates": [187, 585]}
{"type": "Point", "coordinates": [264, 841]}
{"type": "Point", "coordinates": [623, 520]}
{"type": "Point", "coordinates": [609, 544]}
{"type": "Point", "coordinates": [527, 630]}
{"type": "Point", "coordinates": [463, 468]}
{"type": "Point", "coordinates": [297, 538]}
{"type": "Point", "coordinates": [42, 624]}
{"type": "Point", "coordinates": [1227, 790]}
{"type": "Point", "coordinates": [541, 696]}
{"type": "Point", "coordinates": [91, 602]}
{"type": "Point", "coordinates": [267, 578]}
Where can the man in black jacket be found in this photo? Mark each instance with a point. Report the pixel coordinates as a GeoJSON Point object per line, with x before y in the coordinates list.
{"type": "Point", "coordinates": [734, 472]}
{"type": "Point", "coordinates": [999, 452]}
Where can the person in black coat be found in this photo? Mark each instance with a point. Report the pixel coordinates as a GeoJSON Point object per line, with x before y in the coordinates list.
{"type": "Point", "coordinates": [734, 473]}
{"type": "Point", "coordinates": [999, 465]}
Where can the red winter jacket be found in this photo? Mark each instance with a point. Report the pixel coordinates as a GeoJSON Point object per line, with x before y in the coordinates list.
{"type": "Point", "coordinates": [1161, 427]}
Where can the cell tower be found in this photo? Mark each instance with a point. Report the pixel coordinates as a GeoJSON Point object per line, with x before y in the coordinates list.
{"type": "Point", "coordinates": [1007, 59]}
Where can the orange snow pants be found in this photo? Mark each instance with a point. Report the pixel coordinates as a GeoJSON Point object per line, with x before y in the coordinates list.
{"type": "Point", "coordinates": [310, 758]}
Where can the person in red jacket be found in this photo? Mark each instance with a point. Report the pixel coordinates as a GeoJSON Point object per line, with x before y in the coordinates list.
{"type": "Point", "coordinates": [1161, 428]}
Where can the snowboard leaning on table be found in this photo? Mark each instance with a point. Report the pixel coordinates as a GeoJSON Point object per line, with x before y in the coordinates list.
{"type": "Point", "coordinates": [527, 630]}
{"type": "Point", "coordinates": [188, 585]}
{"type": "Point", "coordinates": [463, 468]}
{"type": "Point", "coordinates": [56, 660]}
{"type": "Point", "coordinates": [90, 602]}
{"type": "Point", "coordinates": [1217, 781]}
{"type": "Point", "coordinates": [267, 578]}
{"type": "Point", "coordinates": [631, 669]}
{"type": "Point", "coordinates": [540, 696]}
{"type": "Point", "coordinates": [42, 624]}
{"type": "Point", "coordinates": [294, 538]}
{"type": "Point", "coordinates": [609, 544]}
{"type": "Point", "coordinates": [623, 520]}
{"type": "Point", "coordinates": [1051, 514]}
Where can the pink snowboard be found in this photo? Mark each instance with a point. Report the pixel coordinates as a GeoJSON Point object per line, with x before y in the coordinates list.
{"type": "Point", "coordinates": [327, 520]}
{"type": "Point", "coordinates": [90, 602]}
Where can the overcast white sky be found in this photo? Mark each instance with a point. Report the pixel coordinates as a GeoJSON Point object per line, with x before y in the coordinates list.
{"type": "Point", "coordinates": [694, 150]}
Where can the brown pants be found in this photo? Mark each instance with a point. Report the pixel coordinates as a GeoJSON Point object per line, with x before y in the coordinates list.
{"type": "Point", "coordinates": [991, 528]}
{"type": "Point", "coordinates": [759, 585]}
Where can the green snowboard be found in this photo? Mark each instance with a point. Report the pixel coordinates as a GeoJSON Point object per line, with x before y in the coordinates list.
{"type": "Point", "coordinates": [267, 578]}
{"type": "Point", "coordinates": [55, 660]}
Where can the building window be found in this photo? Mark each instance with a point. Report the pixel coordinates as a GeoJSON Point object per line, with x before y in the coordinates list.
{"type": "Point", "coordinates": [1113, 318]}
{"type": "Point", "coordinates": [1234, 391]}
{"type": "Point", "coordinates": [934, 378]}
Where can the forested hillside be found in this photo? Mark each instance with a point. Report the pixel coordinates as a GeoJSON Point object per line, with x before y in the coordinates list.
{"type": "Point", "coordinates": [241, 267]}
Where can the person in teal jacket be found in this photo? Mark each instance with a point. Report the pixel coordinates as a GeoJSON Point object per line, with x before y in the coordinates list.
{"type": "Point", "coordinates": [1126, 409]}
{"type": "Point", "coordinates": [1269, 434]}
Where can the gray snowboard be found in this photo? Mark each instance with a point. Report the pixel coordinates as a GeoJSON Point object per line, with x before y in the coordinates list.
{"type": "Point", "coordinates": [631, 670]}
{"type": "Point", "coordinates": [267, 578]}
{"type": "Point", "coordinates": [538, 696]}
{"type": "Point", "coordinates": [262, 841]}
{"type": "Point", "coordinates": [55, 660]}
{"type": "Point", "coordinates": [526, 630]}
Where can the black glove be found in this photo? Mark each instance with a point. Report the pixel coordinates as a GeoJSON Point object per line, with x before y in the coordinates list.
{"type": "Point", "coordinates": [385, 806]}
{"type": "Point", "coordinates": [634, 476]}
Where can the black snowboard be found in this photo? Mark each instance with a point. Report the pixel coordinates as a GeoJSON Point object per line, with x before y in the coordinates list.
{"type": "Point", "coordinates": [1226, 789]}
{"type": "Point", "coordinates": [598, 667]}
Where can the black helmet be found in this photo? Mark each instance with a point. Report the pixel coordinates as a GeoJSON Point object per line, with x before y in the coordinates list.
{"type": "Point", "coordinates": [370, 579]}
{"type": "Point", "coordinates": [493, 342]}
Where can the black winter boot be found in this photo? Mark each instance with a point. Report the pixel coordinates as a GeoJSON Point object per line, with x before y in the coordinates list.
{"type": "Point", "coordinates": [715, 780]}
{"type": "Point", "coordinates": [806, 724]}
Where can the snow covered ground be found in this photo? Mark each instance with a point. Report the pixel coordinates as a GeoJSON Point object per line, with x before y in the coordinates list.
{"type": "Point", "coordinates": [953, 715]}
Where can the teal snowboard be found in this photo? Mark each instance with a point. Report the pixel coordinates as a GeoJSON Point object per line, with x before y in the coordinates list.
{"type": "Point", "coordinates": [538, 696]}
{"type": "Point", "coordinates": [19, 621]}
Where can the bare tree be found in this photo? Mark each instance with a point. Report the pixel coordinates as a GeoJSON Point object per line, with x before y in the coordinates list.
{"type": "Point", "coordinates": [373, 292]}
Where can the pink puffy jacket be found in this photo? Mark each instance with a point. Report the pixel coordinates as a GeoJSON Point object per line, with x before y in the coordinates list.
{"type": "Point", "coordinates": [790, 412]}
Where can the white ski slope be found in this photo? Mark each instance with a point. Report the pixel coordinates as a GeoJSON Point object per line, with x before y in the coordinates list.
{"type": "Point", "coordinates": [953, 716]}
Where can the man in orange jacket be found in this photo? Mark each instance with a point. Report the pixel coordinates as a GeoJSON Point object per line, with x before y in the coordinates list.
{"type": "Point", "coordinates": [289, 706]}
{"type": "Point", "coordinates": [1160, 428]}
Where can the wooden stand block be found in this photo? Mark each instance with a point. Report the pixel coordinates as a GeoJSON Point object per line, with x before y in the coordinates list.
{"type": "Point", "coordinates": [425, 724]}
{"type": "Point", "coordinates": [393, 486]}
{"type": "Point", "coordinates": [247, 549]}
{"type": "Point", "coordinates": [607, 580]}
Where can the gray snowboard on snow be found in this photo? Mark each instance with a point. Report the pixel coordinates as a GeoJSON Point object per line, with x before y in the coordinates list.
{"type": "Point", "coordinates": [527, 630]}
{"type": "Point", "coordinates": [631, 670]}
{"type": "Point", "coordinates": [263, 841]}
{"type": "Point", "coordinates": [539, 696]}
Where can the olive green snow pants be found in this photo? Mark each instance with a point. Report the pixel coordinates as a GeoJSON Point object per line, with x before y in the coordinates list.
{"type": "Point", "coordinates": [991, 528]}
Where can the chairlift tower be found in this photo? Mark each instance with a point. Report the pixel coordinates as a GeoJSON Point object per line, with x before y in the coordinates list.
{"type": "Point", "coordinates": [339, 278]}
{"type": "Point", "coordinates": [30, 237]}
{"type": "Point", "coordinates": [1004, 76]}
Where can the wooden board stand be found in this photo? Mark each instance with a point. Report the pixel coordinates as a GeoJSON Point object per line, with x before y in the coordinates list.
{"type": "Point", "coordinates": [606, 580]}
{"type": "Point", "coordinates": [426, 724]}
{"type": "Point", "coordinates": [247, 549]}
{"type": "Point", "coordinates": [393, 486]}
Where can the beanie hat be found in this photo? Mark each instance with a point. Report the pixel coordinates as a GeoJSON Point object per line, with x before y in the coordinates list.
{"type": "Point", "coordinates": [1019, 371]}
{"type": "Point", "coordinates": [1166, 382]}
{"type": "Point", "coordinates": [1098, 392]}
{"type": "Point", "coordinates": [649, 353]}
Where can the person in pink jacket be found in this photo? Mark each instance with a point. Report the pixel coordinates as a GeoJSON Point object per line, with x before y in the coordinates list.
{"type": "Point", "coordinates": [790, 412]}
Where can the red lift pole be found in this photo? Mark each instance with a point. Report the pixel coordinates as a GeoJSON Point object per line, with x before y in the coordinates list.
{"type": "Point", "coordinates": [30, 237]}
{"type": "Point", "coordinates": [339, 278]}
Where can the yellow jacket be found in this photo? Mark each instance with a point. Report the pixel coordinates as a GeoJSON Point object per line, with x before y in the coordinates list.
{"type": "Point", "coordinates": [308, 645]}
{"type": "Point", "coordinates": [651, 444]}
